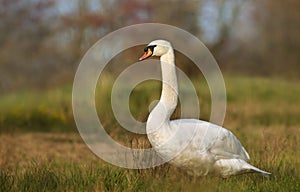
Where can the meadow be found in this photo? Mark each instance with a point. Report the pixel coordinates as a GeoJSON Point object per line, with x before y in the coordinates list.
{"type": "Point", "coordinates": [41, 150]}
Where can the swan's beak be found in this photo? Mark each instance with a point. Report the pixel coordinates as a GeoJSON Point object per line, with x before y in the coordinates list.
{"type": "Point", "coordinates": [147, 54]}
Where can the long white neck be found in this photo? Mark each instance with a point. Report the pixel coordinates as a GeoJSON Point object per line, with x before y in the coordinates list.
{"type": "Point", "coordinates": [162, 112]}
{"type": "Point", "coordinates": [169, 83]}
{"type": "Point", "coordinates": [158, 124]}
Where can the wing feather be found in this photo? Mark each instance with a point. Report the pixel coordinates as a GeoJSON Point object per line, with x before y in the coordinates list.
{"type": "Point", "coordinates": [215, 139]}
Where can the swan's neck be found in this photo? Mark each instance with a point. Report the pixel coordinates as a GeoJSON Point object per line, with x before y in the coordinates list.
{"type": "Point", "coordinates": [169, 83]}
{"type": "Point", "coordinates": [158, 123]}
{"type": "Point", "coordinates": [168, 101]}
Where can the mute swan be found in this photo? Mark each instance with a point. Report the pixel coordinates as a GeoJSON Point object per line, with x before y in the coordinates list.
{"type": "Point", "coordinates": [211, 150]}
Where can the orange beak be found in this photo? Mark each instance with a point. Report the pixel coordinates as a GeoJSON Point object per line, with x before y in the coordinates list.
{"type": "Point", "coordinates": [146, 55]}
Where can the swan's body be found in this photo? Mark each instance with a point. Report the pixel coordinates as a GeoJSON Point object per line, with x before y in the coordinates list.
{"type": "Point", "coordinates": [199, 147]}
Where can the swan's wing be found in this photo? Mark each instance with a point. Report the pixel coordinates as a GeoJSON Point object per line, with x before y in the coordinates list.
{"type": "Point", "coordinates": [227, 146]}
{"type": "Point", "coordinates": [212, 138]}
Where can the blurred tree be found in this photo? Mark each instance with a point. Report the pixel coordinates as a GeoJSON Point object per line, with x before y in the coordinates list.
{"type": "Point", "coordinates": [279, 29]}
{"type": "Point", "coordinates": [264, 39]}
{"type": "Point", "coordinates": [41, 45]}
{"type": "Point", "coordinates": [86, 26]}
{"type": "Point", "coordinates": [26, 55]}
{"type": "Point", "coordinates": [183, 14]}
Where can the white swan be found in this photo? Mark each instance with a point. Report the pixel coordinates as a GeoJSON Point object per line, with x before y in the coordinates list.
{"type": "Point", "coordinates": [199, 147]}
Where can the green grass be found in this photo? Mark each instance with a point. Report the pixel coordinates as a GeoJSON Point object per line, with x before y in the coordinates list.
{"type": "Point", "coordinates": [263, 113]}
{"type": "Point", "coordinates": [36, 110]}
{"type": "Point", "coordinates": [62, 176]}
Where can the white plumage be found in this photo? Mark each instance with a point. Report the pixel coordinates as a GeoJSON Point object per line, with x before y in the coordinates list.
{"type": "Point", "coordinates": [199, 147]}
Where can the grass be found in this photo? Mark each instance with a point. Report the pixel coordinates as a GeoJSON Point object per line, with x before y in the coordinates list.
{"type": "Point", "coordinates": [40, 149]}
{"type": "Point", "coordinates": [66, 176]}
{"type": "Point", "coordinates": [34, 110]}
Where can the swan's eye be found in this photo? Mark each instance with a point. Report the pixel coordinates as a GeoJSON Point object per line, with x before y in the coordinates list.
{"type": "Point", "coordinates": [148, 52]}
{"type": "Point", "coordinates": [151, 47]}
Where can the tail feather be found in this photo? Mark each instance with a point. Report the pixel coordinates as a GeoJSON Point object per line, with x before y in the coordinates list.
{"type": "Point", "coordinates": [255, 169]}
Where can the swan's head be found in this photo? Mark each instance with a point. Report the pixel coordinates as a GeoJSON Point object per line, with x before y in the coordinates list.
{"type": "Point", "coordinates": [156, 48]}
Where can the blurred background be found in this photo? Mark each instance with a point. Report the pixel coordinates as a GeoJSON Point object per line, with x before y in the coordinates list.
{"type": "Point", "coordinates": [256, 44]}
{"type": "Point", "coordinates": [42, 41]}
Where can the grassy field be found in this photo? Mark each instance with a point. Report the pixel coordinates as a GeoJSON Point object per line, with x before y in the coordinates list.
{"type": "Point", "coordinates": [41, 150]}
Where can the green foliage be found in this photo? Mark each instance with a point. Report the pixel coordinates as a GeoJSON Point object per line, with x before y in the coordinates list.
{"type": "Point", "coordinates": [48, 111]}
{"type": "Point", "coordinates": [250, 101]}
{"type": "Point", "coordinates": [263, 113]}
